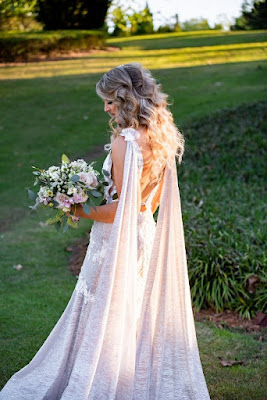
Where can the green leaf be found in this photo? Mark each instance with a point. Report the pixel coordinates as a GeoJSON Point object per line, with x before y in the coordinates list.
{"type": "Point", "coordinates": [36, 173]}
{"type": "Point", "coordinates": [65, 159]}
{"type": "Point", "coordinates": [93, 205]}
{"type": "Point", "coordinates": [105, 172]}
{"type": "Point", "coordinates": [65, 227]}
{"type": "Point", "coordinates": [57, 226]}
{"type": "Point", "coordinates": [31, 194]}
{"type": "Point", "coordinates": [75, 178]}
{"type": "Point", "coordinates": [86, 209]}
{"type": "Point", "coordinates": [95, 193]}
{"type": "Point", "coordinates": [37, 169]}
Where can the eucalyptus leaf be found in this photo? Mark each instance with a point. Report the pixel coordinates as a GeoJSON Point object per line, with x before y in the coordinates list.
{"type": "Point", "coordinates": [36, 173]}
{"type": "Point", "coordinates": [57, 226]}
{"type": "Point", "coordinates": [75, 178]}
{"type": "Point", "coordinates": [31, 194]}
{"type": "Point", "coordinates": [95, 193]}
{"type": "Point", "coordinates": [93, 204]}
{"type": "Point", "coordinates": [86, 209]}
{"type": "Point", "coordinates": [94, 207]}
{"type": "Point", "coordinates": [65, 227]}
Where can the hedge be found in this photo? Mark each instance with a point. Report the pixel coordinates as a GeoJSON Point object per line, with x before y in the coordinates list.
{"type": "Point", "coordinates": [17, 46]}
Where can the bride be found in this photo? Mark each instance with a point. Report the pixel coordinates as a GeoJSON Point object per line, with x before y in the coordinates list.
{"type": "Point", "coordinates": [128, 331]}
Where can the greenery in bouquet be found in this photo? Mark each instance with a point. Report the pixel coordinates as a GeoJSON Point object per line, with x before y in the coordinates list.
{"type": "Point", "coordinates": [63, 187]}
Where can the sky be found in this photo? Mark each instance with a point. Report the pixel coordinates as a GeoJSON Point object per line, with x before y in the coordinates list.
{"type": "Point", "coordinates": [187, 9]}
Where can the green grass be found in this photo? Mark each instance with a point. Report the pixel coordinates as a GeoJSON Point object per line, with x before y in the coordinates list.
{"type": "Point", "coordinates": [50, 108]}
{"type": "Point", "coordinates": [245, 381]}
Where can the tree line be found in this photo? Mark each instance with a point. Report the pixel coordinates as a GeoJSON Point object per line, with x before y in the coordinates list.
{"type": "Point", "coordinates": [124, 20]}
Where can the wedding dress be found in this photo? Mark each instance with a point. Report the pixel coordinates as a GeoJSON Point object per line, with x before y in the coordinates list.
{"type": "Point", "coordinates": [128, 331]}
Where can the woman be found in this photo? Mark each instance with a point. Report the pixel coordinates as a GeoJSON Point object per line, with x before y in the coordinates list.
{"type": "Point", "coordinates": [128, 331]}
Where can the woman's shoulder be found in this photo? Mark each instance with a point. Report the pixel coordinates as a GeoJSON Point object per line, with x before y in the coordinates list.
{"type": "Point", "coordinates": [118, 148]}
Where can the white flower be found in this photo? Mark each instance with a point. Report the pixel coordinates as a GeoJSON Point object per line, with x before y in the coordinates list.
{"type": "Point", "coordinates": [53, 172]}
{"type": "Point", "coordinates": [72, 190]}
{"type": "Point", "coordinates": [78, 165]}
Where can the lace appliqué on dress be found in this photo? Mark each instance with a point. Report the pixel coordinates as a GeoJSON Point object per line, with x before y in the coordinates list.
{"type": "Point", "coordinates": [82, 288]}
{"type": "Point", "coordinates": [107, 165]}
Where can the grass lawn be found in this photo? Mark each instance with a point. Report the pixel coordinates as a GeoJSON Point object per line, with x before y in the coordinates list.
{"type": "Point", "coordinates": [50, 108]}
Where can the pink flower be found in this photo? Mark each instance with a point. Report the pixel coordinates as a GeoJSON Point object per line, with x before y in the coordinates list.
{"type": "Point", "coordinates": [63, 200]}
{"type": "Point", "coordinates": [46, 200]}
{"type": "Point", "coordinates": [80, 197]}
{"type": "Point", "coordinates": [74, 218]}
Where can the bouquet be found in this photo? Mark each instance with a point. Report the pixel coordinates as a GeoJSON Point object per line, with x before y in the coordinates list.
{"type": "Point", "coordinates": [64, 186]}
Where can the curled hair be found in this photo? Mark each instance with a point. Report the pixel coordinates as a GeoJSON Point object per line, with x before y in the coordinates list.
{"type": "Point", "coordinates": [140, 102]}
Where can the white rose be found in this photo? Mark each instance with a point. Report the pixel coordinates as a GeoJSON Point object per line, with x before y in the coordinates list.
{"type": "Point", "coordinates": [89, 178]}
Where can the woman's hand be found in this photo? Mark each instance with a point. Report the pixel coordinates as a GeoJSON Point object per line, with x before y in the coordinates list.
{"type": "Point", "coordinates": [77, 210]}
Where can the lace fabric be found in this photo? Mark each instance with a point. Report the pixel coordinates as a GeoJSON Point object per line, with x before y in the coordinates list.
{"type": "Point", "coordinates": [127, 332]}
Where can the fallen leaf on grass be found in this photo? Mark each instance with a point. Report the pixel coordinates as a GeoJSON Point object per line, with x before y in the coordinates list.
{"type": "Point", "coordinates": [69, 249]}
{"type": "Point", "coordinates": [261, 319]}
{"type": "Point", "coordinates": [17, 267]}
{"type": "Point", "coordinates": [226, 363]}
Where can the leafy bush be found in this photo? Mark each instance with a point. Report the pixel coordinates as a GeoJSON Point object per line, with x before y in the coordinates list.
{"type": "Point", "coordinates": [222, 195]}
{"type": "Point", "coordinates": [15, 46]}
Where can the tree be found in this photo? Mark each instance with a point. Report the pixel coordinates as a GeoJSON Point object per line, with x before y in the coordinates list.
{"type": "Point", "coordinates": [120, 20]}
{"type": "Point", "coordinates": [17, 14]}
{"type": "Point", "coordinates": [127, 21]}
{"type": "Point", "coordinates": [196, 24]}
{"type": "Point", "coordinates": [72, 14]}
{"type": "Point", "coordinates": [173, 25]}
{"type": "Point", "coordinates": [254, 16]}
{"type": "Point", "coordinates": [141, 22]}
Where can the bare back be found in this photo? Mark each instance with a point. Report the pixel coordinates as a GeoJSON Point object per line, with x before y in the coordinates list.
{"type": "Point", "coordinates": [145, 183]}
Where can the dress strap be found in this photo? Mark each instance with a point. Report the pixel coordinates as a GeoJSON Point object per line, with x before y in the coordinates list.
{"type": "Point", "coordinates": [130, 135]}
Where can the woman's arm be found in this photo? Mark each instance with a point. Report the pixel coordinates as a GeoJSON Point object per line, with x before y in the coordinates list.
{"type": "Point", "coordinates": [106, 212]}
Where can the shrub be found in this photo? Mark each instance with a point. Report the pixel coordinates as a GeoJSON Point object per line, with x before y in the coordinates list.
{"type": "Point", "coordinates": [222, 195]}
{"type": "Point", "coordinates": [16, 46]}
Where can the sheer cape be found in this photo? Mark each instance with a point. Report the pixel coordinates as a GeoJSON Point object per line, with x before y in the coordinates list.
{"type": "Point", "coordinates": [111, 357]}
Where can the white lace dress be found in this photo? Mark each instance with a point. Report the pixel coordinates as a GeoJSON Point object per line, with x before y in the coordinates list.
{"type": "Point", "coordinates": [128, 331]}
{"type": "Point", "coordinates": [100, 233]}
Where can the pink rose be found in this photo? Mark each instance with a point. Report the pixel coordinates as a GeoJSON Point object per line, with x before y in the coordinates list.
{"type": "Point", "coordinates": [80, 197]}
{"type": "Point", "coordinates": [88, 178]}
{"type": "Point", "coordinates": [63, 200]}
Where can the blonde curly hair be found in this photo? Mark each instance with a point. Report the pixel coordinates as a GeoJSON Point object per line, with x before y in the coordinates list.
{"type": "Point", "coordinates": [140, 102]}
